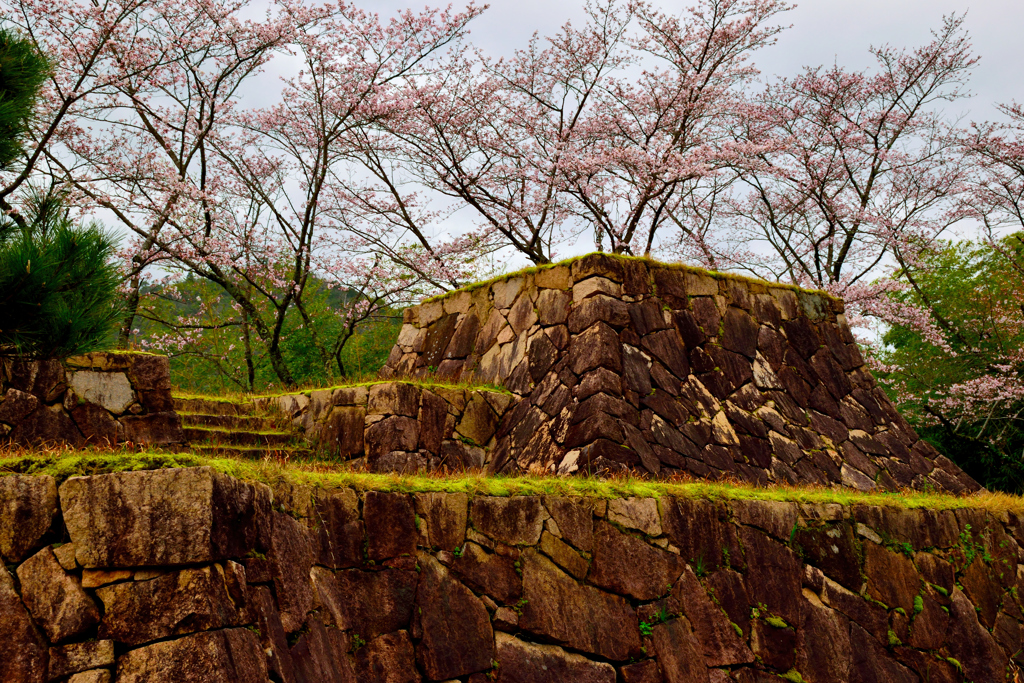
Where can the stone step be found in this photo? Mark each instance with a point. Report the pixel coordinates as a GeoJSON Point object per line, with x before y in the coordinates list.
{"type": "Point", "coordinates": [201, 435]}
{"type": "Point", "coordinates": [213, 406]}
{"type": "Point", "coordinates": [248, 423]}
{"type": "Point", "coordinates": [250, 452]}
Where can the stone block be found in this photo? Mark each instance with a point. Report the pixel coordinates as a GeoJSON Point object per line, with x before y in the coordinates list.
{"type": "Point", "coordinates": [522, 662]}
{"type": "Point", "coordinates": [340, 534]}
{"type": "Point", "coordinates": [162, 517]}
{"type": "Point", "coordinates": [517, 520]}
{"type": "Point", "coordinates": [394, 398]}
{"type": "Point", "coordinates": [28, 504]}
{"type": "Point", "coordinates": [16, 406]}
{"type": "Point", "coordinates": [22, 648]}
{"type": "Point", "coordinates": [174, 604]}
{"type": "Point", "coordinates": [112, 390]}
{"type": "Point", "coordinates": [390, 525]}
{"type": "Point", "coordinates": [457, 637]}
{"type": "Point", "coordinates": [342, 432]}
{"type": "Point", "coordinates": [679, 652]}
{"type": "Point", "coordinates": [489, 573]}
{"type": "Point", "coordinates": [629, 566]}
{"type": "Point", "coordinates": [640, 514]}
{"type": "Point", "coordinates": [581, 617]}
{"type": "Point", "coordinates": [55, 598]}
{"type": "Point", "coordinates": [367, 603]}
{"type": "Point", "coordinates": [597, 347]}
{"type": "Point", "coordinates": [389, 658]}
{"type": "Point", "coordinates": [445, 516]}
{"type": "Point", "coordinates": [77, 657]}
{"type": "Point", "coordinates": [227, 656]}
{"type": "Point", "coordinates": [154, 428]}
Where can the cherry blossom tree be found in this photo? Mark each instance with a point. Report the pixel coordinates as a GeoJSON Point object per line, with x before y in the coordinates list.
{"type": "Point", "coordinates": [861, 167]}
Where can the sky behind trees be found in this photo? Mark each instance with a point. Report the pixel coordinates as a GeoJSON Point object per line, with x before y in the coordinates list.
{"type": "Point", "coordinates": [822, 31]}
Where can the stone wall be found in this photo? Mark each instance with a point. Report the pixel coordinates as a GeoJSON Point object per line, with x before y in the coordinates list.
{"type": "Point", "coordinates": [99, 398]}
{"type": "Point", "coordinates": [399, 426]}
{"type": "Point", "coordinates": [630, 364]}
{"type": "Point", "coordinates": [190, 575]}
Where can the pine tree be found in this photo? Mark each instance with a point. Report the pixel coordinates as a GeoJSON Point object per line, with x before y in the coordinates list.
{"type": "Point", "coordinates": [58, 285]}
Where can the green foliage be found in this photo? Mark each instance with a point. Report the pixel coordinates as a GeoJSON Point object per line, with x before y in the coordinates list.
{"type": "Point", "coordinates": [214, 359]}
{"type": "Point", "coordinates": [950, 394]}
{"type": "Point", "coordinates": [58, 284]}
{"type": "Point", "coordinates": [23, 70]}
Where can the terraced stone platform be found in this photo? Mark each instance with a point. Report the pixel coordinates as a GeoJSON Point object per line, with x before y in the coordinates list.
{"type": "Point", "coordinates": [623, 364]}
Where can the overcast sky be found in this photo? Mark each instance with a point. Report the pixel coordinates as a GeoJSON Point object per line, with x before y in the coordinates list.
{"type": "Point", "coordinates": [822, 31]}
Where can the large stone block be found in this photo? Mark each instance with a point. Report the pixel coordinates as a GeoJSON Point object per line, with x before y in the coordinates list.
{"type": "Point", "coordinates": [76, 657]}
{"type": "Point", "coordinates": [173, 604]}
{"type": "Point", "coordinates": [27, 507]}
{"type": "Point", "coordinates": [580, 617]}
{"type": "Point", "coordinates": [22, 648]}
{"type": "Point", "coordinates": [112, 390]}
{"type": "Point", "coordinates": [228, 656]}
{"type": "Point", "coordinates": [162, 517]}
{"type": "Point", "coordinates": [389, 658]}
{"type": "Point", "coordinates": [367, 603]}
{"type": "Point", "coordinates": [55, 598]}
{"type": "Point", "coordinates": [521, 662]}
{"type": "Point", "coordinates": [154, 428]}
{"type": "Point", "coordinates": [457, 637]}
{"type": "Point", "coordinates": [629, 566]}
{"type": "Point", "coordinates": [517, 520]}
{"type": "Point", "coordinates": [390, 525]}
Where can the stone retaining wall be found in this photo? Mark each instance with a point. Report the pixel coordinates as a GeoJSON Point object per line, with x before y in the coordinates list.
{"type": "Point", "coordinates": [98, 398]}
{"type": "Point", "coordinates": [630, 364]}
{"type": "Point", "coordinates": [190, 575]}
{"type": "Point", "coordinates": [399, 426]}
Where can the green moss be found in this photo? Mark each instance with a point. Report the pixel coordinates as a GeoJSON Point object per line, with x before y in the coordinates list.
{"type": "Point", "coordinates": [673, 266]}
{"type": "Point", "coordinates": [776, 622]}
{"type": "Point", "coordinates": [793, 676]}
{"type": "Point", "coordinates": [317, 473]}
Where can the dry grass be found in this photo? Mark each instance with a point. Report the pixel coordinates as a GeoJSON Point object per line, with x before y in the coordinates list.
{"type": "Point", "coordinates": [282, 469]}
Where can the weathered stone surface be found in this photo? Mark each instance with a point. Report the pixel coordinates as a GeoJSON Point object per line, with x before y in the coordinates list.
{"type": "Point", "coordinates": [71, 659]}
{"type": "Point", "coordinates": [390, 525]}
{"type": "Point", "coordinates": [646, 671]}
{"type": "Point", "coordinates": [272, 636]}
{"type": "Point", "coordinates": [679, 652]}
{"type": "Point", "coordinates": [636, 513]}
{"type": "Point", "coordinates": [27, 506]}
{"type": "Point", "coordinates": [563, 555]}
{"type": "Point", "coordinates": [489, 573]}
{"type": "Point", "coordinates": [55, 598]}
{"type": "Point", "coordinates": [521, 662]}
{"type": "Point", "coordinates": [820, 625]}
{"type": "Point", "coordinates": [597, 347]}
{"type": "Point", "coordinates": [291, 554]}
{"type": "Point", "coordinates": [517, 520]}
{"type": "Point", "coordinates": [94, 676]}
{"type": "Point", "coordinates": [367, 603]}
{"type": "Point", "coordinates": [445, 516]}
{"type": "Point", "coordinates": [775, 576]}
{"type": "Point", "coordinates": [22, 648]}
{"type": "Point", "coordinates": [16, 406]}
{"type": "Point", "coordinates": [971, 644]}
{"type": "Point", "coordinates": [154, 428]}
{"type": "Point", "coordinates": [112, 390]}
{"type": "Point", "coordinates": [700, 530]}
{"type": "Point", "coordinates": [340, 533]}
{"type": "Point", "coordinates": [228, 656]}
{"type": "Point", "coordinates": [161, 517]}
{"type": "Point", "coordinates": [342, 431]}
{"type": "Point", "coordinates": [776, 517]}
{"type": "Point", "coordinates": [929, 627]}
{"type": "Point", "coordinates": [322, 655]}
{"type": "Point", "coordinates": [389, 658]}
{"type": "Point", "coordinates": [719, 642]}
{"type": "Point", "coordinates": [457, 637]}
{"type": "Point", "coordinates": [96, 424]}
{"type": "Point", "coordinates": [892, 578]}
{"type": "Point", "coordinates": [47, 425]}
{"type": "Point", "coordinates": [478, 422]}
{"type": "Point", "coordinates": [395, 433]}
{"type": "Point", "coordinates": [774, 646]}
{"type": "Point", "coordinates": [871, 662]}
{"type": "Point", "coordinates": [174, 604]}
{"type": "Point", "coordinates": [629, 566]}
{"type": "Point", "coordinates": [831, 548]}
{"type": "Point", "coordinates": [581, 617]}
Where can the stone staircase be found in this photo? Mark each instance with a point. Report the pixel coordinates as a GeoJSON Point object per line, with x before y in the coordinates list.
{"type": "Point", "coordinates": [239, 429]}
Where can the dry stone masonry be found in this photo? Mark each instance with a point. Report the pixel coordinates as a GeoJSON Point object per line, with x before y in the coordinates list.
{"type": "Point", "coordinates": [190, 575]}
{"type": "Point", "coordinates": [621, 364]}
{"type": "Point", "coordinates": [94, 399]}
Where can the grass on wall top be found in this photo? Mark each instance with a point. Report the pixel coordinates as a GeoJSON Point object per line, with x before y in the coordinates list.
{"type": "Point", "coordinates": [718, 275]}
{"type": "Point", "coordinates": [63, 464]}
